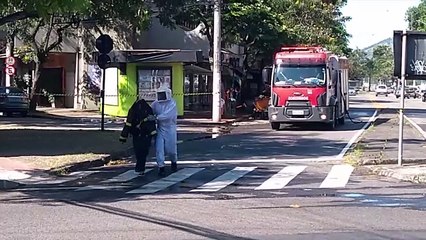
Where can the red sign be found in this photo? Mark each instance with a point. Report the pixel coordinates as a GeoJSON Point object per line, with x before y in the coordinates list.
{"type": "Point", "coordinates": [10, 70]}
{"type": "Point", "coordinates": [10, 61]}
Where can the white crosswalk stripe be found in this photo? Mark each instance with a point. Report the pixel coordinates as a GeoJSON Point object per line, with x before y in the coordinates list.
{"type": "Point", "coordinates": [224, 180]}
{"type": "Point", "coordinates": [282, 178]}
{"type": "Point", "coordinates": [124, 177]}
{"type": "Point", "coordinates": [288, 177]}
{"type": "Point", "coordinates": [166, 182]}
{"type": "Point", "coordinates": [338, 176]}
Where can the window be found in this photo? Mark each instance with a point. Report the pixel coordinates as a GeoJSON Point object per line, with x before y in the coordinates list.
{"type": "Point", "coordinates": [299, 75]}
{"type": "Point", "coordinates": [151, 79]}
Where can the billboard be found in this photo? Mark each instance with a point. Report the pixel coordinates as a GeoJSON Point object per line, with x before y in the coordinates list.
{"type": "Point", "coordinates": [415, 54]}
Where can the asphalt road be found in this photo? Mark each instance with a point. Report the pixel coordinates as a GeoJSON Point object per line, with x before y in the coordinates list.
{"type": "Point", "coordinates": [254, 183]}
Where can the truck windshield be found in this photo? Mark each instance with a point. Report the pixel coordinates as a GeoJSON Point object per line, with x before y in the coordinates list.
{"type": "Point", "coordinates": [299, 75]}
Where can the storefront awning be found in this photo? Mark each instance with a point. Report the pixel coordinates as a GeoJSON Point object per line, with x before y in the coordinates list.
{"type": "Point", "coordinates": [194, 69]}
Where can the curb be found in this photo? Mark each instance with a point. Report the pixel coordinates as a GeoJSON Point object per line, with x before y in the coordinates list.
{"type": "Point", "coordinates": [414, 178]}
{"type": "Point", "coordinates": [185, 121]}
{"type": "Point", "coordinates": [63, 118]}
{"type": "Point", "coordinates": [373, 162]}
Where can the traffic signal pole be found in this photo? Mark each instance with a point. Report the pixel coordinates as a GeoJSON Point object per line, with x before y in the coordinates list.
{"type": "Point", "coordinates": [104, 44]}
{"type": "Point", "coordinates": [103, 101]}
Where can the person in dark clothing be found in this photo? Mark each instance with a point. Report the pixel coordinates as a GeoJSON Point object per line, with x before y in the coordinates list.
{"type": "Point", "coordinates": [140, 123]}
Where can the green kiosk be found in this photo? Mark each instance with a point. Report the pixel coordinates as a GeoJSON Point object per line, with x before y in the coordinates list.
{"type": "Point", "coordinates": [134, 74]}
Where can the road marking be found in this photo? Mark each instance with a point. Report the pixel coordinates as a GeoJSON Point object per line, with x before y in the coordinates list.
{"type": "Point", "coordinates": [375, 104]}
{"type": "Point", "coordinates": [124, 177]}
{"type": "Point", "coordinates": [338, 176]}
{"type": "Point", "coordinates": [416, 126]}
{"type": "Point", "coordinates": [13, 175]}
{"type": "Point", "coordinates": [166, 182]}
{"type": "Point", "coordinates": [224, 180]}
{"type": "Point", "coordinates": [282, 178]}
{"type": "Point", "coordinates": [270, 160]}
{"type": "Point", "coordinates": [100, 187]}
{"type": "Point", "coordinates": [48, 181]}
{"type": "Point", "coordinates": [356, 136]}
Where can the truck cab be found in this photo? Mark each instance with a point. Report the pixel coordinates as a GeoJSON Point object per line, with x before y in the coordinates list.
{"type": "Point", "coordinates": [308, 84]}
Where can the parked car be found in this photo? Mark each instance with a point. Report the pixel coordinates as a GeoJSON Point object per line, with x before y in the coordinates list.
{"type": "Point", "coordinates": [423, 94]}
{"type": "Point", "coordinates": [419, 92]}
{"type": "Point", "coordinates": [352, 91]}
{"type": "Point", "coordinates": [411, 91]}
{"type": "Point", "coordinates": [381, 90]}
{"type": "Point", "coordinates": [13, 100]}
{"type": "Point", "coordinates": [398, 93]}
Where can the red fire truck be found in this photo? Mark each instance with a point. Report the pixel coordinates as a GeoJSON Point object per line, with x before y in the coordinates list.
{"type": "Point", "coordinates": [308, 84]}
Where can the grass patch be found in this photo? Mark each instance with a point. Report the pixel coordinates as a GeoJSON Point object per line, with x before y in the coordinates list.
{"type": "Point", "coordinates": [355, 154]}
{"type": "Point", "coordinates": [52, 149]}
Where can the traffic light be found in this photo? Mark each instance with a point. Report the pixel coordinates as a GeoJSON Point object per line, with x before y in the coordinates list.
{"type": "Point", "coordinates": [103, 60]}
{"type": "Point", "coordinates": [104, 44]}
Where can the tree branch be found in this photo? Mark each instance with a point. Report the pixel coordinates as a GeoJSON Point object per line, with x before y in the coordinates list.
{"type": "Point", "coordinates": [33, 36]}
{"type": "Point", "coordinates": [49, 32]}
{"type": "Point", "coordinates": [21, 15]}
{"type": "Point", "coordinates": [59, 39]}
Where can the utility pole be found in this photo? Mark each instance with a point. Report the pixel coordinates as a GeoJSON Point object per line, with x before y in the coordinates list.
{"type": "Point", "coordinates": [8, 54]}
{"type": "Point", "coordinates": [401, 110]}
{"type": "Point", "coordinates": [217, 39]}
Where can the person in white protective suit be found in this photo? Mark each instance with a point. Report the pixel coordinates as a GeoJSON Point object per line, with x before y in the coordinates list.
{"type": "Point", "coordinates": [164, 108]}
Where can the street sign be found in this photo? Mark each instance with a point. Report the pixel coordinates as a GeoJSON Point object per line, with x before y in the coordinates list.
{"type": "Point", "coordinates": [104, 44]}
{"type": "Point", "coordinates": [10, 70]}
{"type": "Point", "coordinates": [10, 61]}
{"type": "Point", "coordinates": [103, 60]}
{"type": "Point", "coordinates": [415, 62]}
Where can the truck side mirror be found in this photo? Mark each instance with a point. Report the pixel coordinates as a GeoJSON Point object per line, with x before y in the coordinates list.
{"type": "Point", "coordinates": [266, 75]}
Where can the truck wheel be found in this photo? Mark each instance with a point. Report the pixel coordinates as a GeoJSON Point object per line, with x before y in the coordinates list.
{"type": "Point", "coordinates": [275, 126]}
{"type": "Point", "coordinates": [341, 120]}
{"type": "Point", "coordinates": [332, 125]}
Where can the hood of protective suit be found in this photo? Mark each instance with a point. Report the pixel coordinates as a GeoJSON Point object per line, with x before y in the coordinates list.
{"type": "Point", "coordinates": [164, 94]}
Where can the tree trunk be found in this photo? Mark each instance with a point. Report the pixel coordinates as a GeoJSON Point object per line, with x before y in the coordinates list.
{"type": "Point", "coordinates": [34, 86]}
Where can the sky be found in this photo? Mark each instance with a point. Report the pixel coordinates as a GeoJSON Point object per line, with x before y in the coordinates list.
{"type": "Point", "coordinates": [375, 20]}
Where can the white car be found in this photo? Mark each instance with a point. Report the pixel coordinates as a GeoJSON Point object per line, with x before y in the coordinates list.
{"type": "Point", "coordinates": [382, 90]}
{"type": "Point", "coordinates": [352, 91]}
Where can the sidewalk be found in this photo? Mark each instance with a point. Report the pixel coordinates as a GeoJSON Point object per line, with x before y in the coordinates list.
{"type": "Point", "coordinates": [378, 149]}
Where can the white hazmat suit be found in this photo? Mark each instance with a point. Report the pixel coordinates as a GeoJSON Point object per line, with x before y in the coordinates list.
{"type": "Point", "coordinates": [166, 112]}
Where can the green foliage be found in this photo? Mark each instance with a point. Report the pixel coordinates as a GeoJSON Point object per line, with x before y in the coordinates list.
{"type": "Point", "coordinates": [416, 17]}
{"type": "Point", "coordinates": [25, 53]}
{"type": "Point", "coordinates": [379, 67]}
{"type": "Point", "coordinates": [358, 64]}
{"type": "Point", "coordinates": [261, 26]}
{"type": "Point", "coordinates": [383, 62]}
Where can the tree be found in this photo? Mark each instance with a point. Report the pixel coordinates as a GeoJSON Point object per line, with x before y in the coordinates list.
{"type": "Point", "coordinates": [316, 22]}
{"type": "Point", "coordinates": [416, 17]}
{"type": "Point", "coordinates": [15, 10]}
{"type": "Point", "coordinates": [264, 25]}
{"type": "Point", "coordinates": [358, 64]}
{"type": "Point", "coordinates": [46, 32]}
{"type": "Point", "coordinates": [383, 63]}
